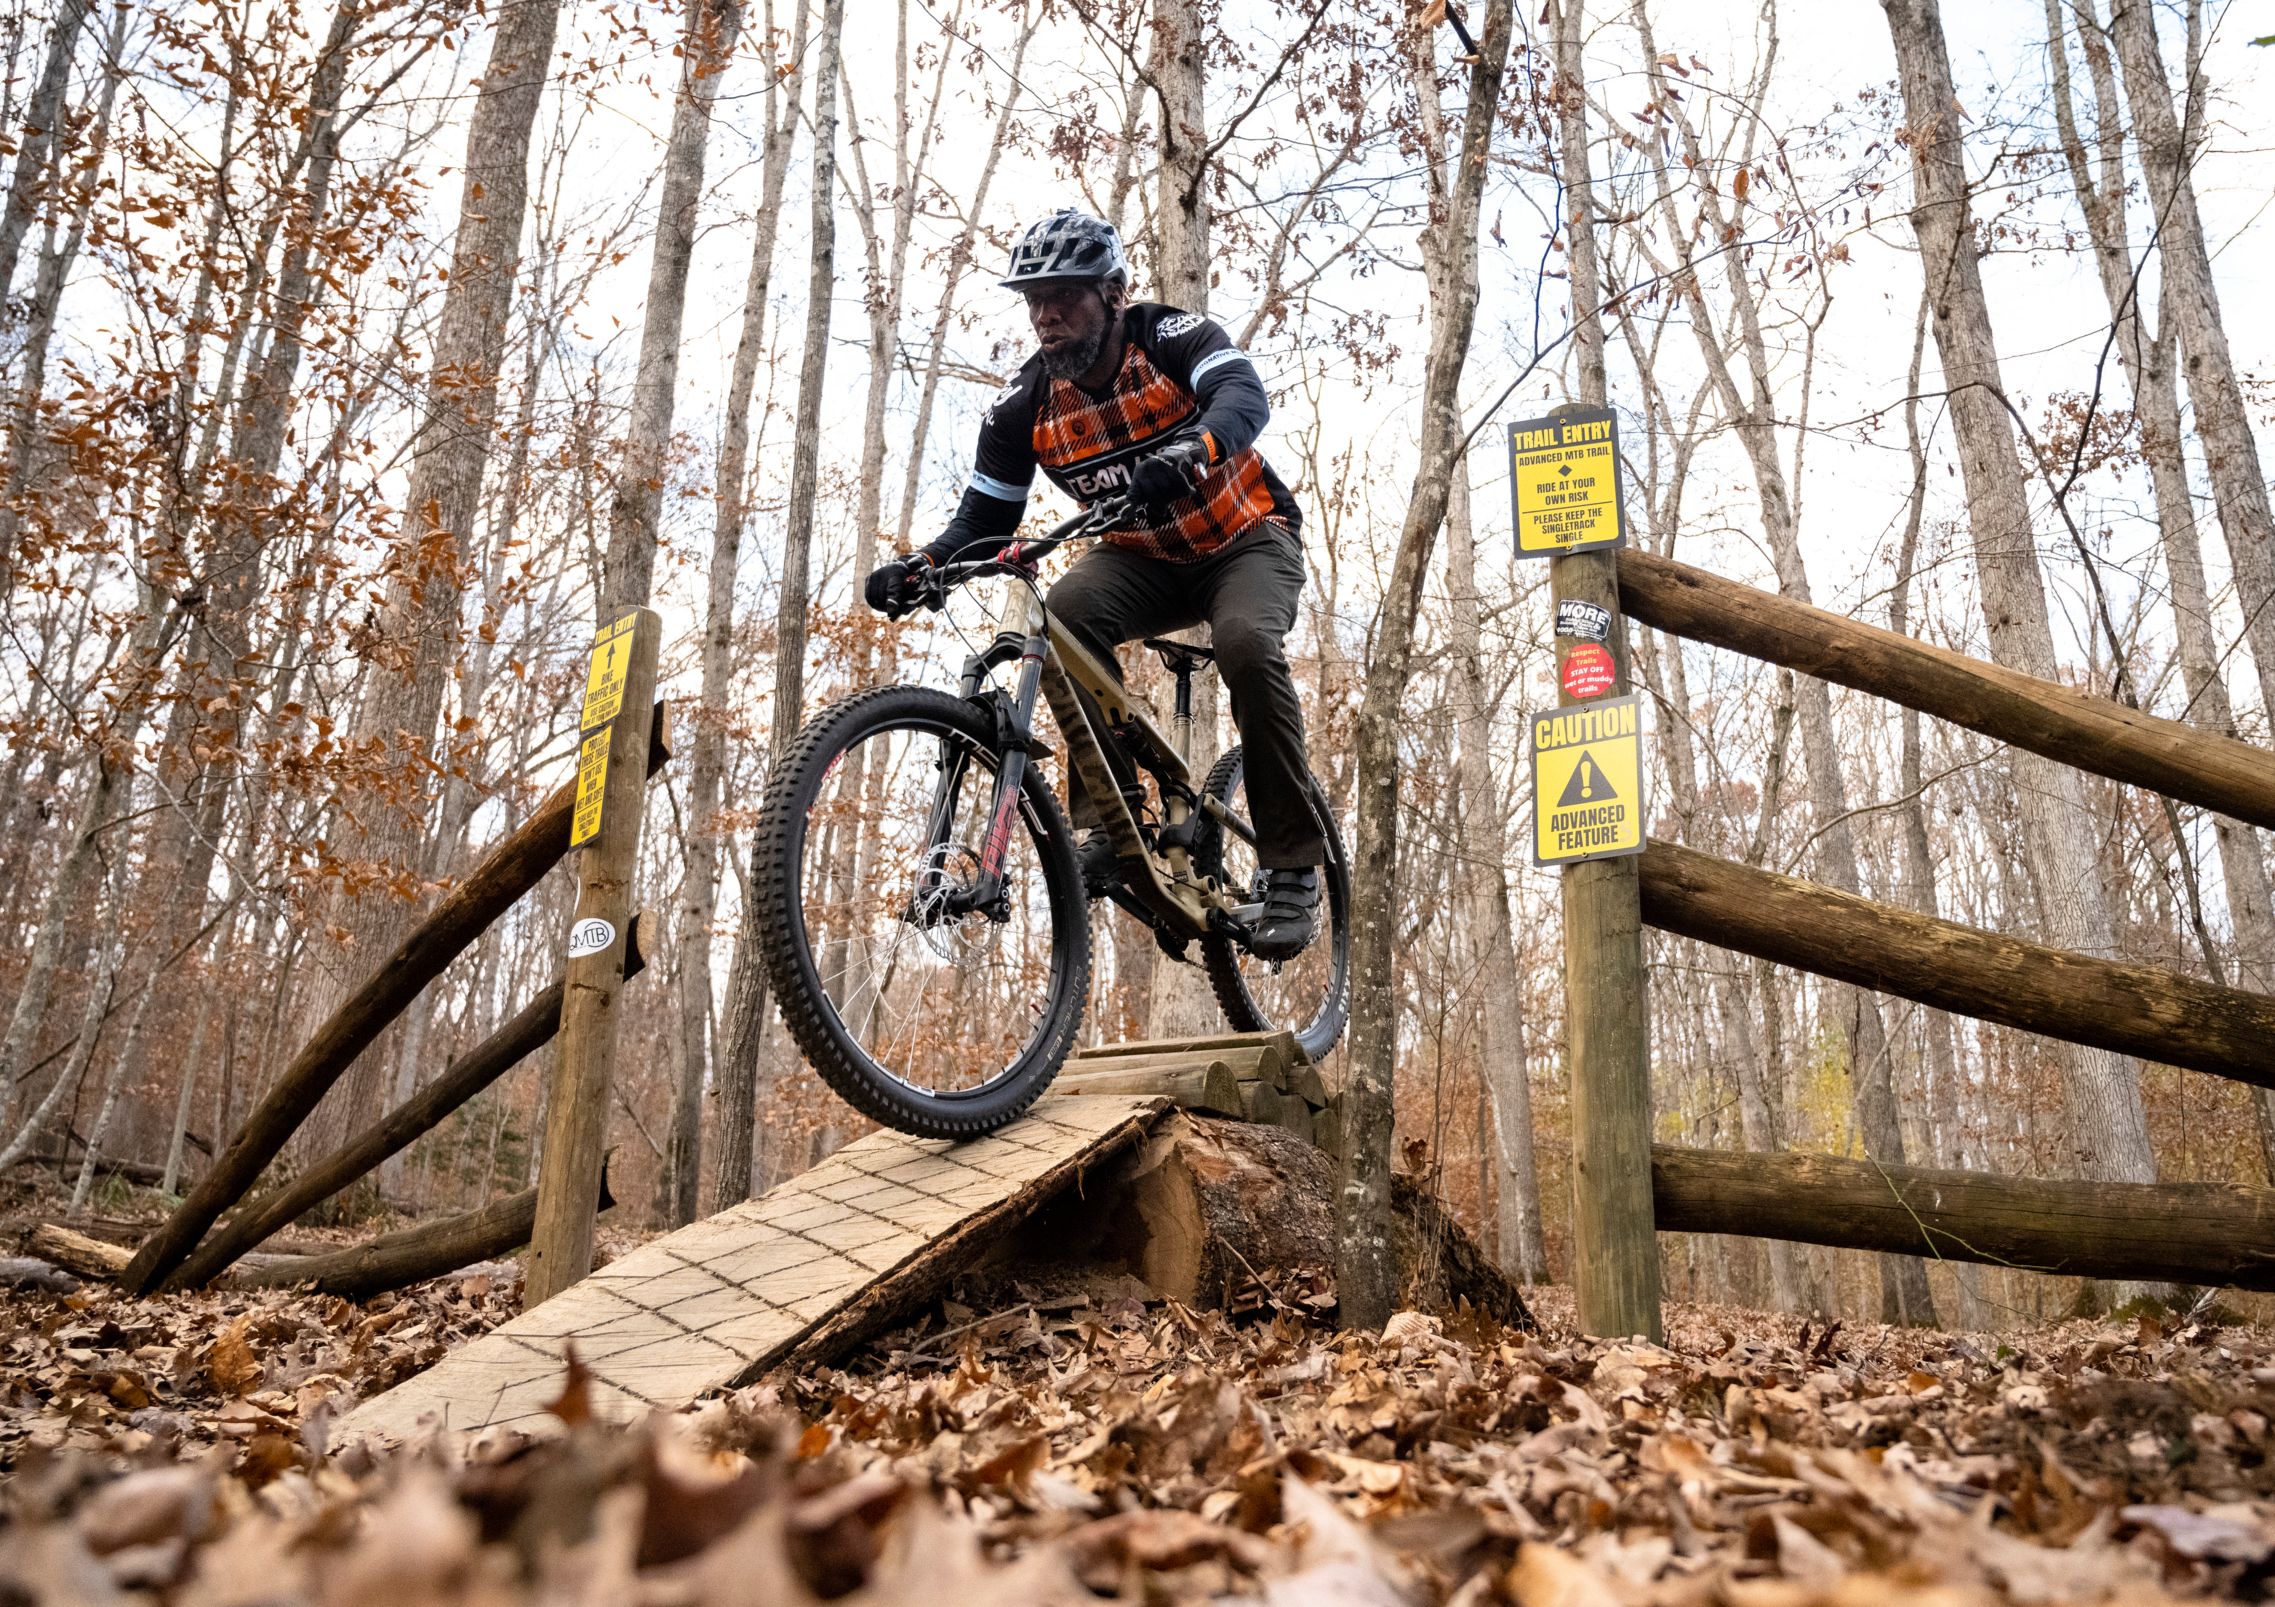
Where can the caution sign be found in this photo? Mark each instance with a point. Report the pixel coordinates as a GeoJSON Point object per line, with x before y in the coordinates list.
{"type": "Point", "coordinates": [1564, 474]}
{"type": "Point", "coordinates": [604, 681]}
{"type": "Point", "coordinates": [1587, 782]}
{"type": "Point", "coordinates": [592, 785]}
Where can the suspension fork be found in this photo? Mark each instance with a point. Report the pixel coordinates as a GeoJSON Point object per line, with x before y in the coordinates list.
{"type": "Point", "coordinates": [1021, 639]}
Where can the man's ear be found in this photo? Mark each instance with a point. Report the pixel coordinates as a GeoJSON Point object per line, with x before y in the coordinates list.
{"type": "Point", "coordinates": [1116, 297]}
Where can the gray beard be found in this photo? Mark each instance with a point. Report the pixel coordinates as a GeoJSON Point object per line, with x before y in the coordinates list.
{"type": "Point", "coordinates": [1072, 362]}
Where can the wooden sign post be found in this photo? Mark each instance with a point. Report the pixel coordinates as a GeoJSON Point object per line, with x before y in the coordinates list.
{"type": "Point", "coordinates": [612, 777]}
{"type": "Point", "coordinates": [1564, 476]}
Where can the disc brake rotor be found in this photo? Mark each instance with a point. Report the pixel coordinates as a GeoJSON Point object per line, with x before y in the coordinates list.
{"type": "Point", "coordinates": [941, 909]}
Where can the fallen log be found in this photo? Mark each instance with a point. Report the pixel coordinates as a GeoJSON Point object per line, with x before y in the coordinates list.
{"type": "Point", "coordinates": [530, 1029]}
{"type": "Point", "coordinates": [2134, 1009]}
{"type": "Point", "coordinates": [410, 1255]}
{"type": "Point", "coordinates": [2215, 1234]}
{"type": "Point", "coordinates": [507, 872]}
{"type": "Point", "coordinates": [1216, 1213]}
{"type": "Point", "coordinates": [2164, 756]}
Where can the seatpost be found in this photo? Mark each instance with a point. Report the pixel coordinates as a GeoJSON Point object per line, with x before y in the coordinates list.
{"type": "Point", "coordinates": [1181, 723]}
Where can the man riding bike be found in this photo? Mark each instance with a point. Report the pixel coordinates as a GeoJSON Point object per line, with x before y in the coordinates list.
{"type": "Point", "coordinates": [1144, 400]}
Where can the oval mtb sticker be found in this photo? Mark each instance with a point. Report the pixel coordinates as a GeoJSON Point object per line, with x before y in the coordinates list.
{"type": "Point", "coordinates": [590, 937]}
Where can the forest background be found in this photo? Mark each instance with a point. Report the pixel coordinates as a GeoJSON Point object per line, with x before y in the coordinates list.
{"type": "Point", "coordinates": [359, 357]}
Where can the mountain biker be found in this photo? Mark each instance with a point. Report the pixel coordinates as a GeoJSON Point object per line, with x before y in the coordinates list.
{"type": "Point", "coordinates": [1147, 400]}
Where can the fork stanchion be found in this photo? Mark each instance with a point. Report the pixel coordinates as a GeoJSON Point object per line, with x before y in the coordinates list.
{"type": "Point", "coordinates": [611, 792]}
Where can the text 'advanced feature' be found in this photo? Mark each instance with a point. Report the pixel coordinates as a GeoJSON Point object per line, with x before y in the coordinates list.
{"type": "Point", "coordinates": [1587, 782]}
{"type": "Point", "coordinates": [1564, 475]}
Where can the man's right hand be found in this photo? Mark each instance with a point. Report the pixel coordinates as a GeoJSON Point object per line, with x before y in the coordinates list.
{"type": "Point", "coordinates": [898, 587]}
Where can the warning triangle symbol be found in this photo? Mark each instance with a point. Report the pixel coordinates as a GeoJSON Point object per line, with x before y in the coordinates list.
{"type": "Point", "coordinates": [1587, 785]}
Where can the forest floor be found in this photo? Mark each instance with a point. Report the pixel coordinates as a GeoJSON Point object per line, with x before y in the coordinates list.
{"type": "Point", "coordinates": [1099, 1446]}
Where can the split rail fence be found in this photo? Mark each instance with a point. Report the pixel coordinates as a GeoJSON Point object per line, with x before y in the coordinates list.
{"type": "Point", "coordinates": [222, 1219]}
{"type": "Point", "coordinates": [2184, 1233]}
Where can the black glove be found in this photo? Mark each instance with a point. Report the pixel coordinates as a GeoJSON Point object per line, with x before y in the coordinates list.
{"type": "Point", "coordinates": [897, 587]}
{"type": "Point", "coordinates": [1160, 478]}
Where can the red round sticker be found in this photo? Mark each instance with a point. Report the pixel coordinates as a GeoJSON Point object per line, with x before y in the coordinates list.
{"type": "Point", "coordinates": [1589, 671]}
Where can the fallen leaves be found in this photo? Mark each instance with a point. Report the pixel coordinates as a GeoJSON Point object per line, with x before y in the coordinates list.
{"type": "Point", "coordinates": [1104, 1447]}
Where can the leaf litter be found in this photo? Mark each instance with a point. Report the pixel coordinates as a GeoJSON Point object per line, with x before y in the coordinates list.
{"type": "Point", "coordinates": [1109, 1447]}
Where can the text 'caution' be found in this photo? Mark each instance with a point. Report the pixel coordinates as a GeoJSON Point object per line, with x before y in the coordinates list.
{"type": "Point", "coordinates": [1587, 782]}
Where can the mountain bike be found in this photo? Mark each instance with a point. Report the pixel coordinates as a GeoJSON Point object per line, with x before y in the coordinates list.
{"type": "Point", "coordinates": [918, 899]}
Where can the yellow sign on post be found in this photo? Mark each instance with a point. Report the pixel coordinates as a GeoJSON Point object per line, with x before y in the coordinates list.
{"type": "Point", "coordinates": [604, 681]}
{"type": "Point", "coordinates": [1564, 474]}
{"type": "Point", "coordinates": [592, 788]}
{"type": "Point", "coordinates": [1587, 781]}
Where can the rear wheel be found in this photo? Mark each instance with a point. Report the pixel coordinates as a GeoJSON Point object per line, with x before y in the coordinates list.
{"type": "Point", "coordinates": [922, 1007]}
{"type": "Point", "coordinates": [1309, 995]}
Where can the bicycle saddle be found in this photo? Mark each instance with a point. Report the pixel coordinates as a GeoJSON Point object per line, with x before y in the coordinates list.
{"type": "Point", "coordinates": [1180, 658]}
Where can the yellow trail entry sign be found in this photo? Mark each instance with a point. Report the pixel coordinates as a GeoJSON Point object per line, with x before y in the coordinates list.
{"type": "Point", "coordinates": [1564, 474]}
{"type": "Point", "coordinates": [604, 682]}
{"type": "Point", "coordinates": [1587, 781]}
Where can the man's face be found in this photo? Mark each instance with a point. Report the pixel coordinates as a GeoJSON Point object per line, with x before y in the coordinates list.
{"type": "Point", "coordinates": [1070, 321]}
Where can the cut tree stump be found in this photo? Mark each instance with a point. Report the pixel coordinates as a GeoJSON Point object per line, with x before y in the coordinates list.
{"type": "Point", "coordinates": [1209, 1212]}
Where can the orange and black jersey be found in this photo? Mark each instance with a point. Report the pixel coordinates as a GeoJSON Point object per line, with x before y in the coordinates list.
{"type": "Point", "coordinates": [1180, 375]}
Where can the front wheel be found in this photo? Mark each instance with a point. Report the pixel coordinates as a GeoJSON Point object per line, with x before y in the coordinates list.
{"type": "Point", "coordinates": [1309, 995]}
{"type": "Point", "coordinates": [927, 1000]}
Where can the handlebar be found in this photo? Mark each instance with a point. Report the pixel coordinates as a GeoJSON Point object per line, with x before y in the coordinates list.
{"type": "Point", "coordinates": [1021, 557]}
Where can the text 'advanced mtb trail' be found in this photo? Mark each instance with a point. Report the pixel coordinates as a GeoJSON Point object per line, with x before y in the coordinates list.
{"type": "Point", "coordinates": [924, 919]}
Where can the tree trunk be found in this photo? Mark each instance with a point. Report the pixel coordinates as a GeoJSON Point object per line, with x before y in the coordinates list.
{"type": "Point", "coordinates": [2147, 359]}
{"type": "Point", "coordinates": [712, 29]}
{"type": "Point", "coordinates": [42, 115]}
{"type": "Point", "coordinates": [746, 990]}
{"type": "Point", "coordinates": [1752, 410]}
{"type": "Point", "coordinates": [2191, 305]}
{"type": "Point", "coordinates": [416, 630]}
{"type": "Point", "coordinates": [2108, 1127]}
{"type": "Point", "coordinates": [1366, 1276]}
{"type": "Point", "coordinates": [1180, 1004]}
{"type": "Point", "coordinates": [707, 761]}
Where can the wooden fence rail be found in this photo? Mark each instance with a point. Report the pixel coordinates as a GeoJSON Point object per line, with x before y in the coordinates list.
{"type": "Point", "coordinates": [2090, 733]}
{"type": "Point", "coordinates": [529, 1030]}
{"type": "Point", "coordinates": [2136, 1009]}
{"type": "Point", "coordinates": [506, 873]}
{"type": "Point", "coordinates": [2198, 1233]}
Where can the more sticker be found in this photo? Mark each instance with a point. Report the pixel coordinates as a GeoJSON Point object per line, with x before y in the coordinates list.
{"type": "Point", "coordinates": [1587, 782]}
{"type": "Point", "coordinates": [1587, 621]}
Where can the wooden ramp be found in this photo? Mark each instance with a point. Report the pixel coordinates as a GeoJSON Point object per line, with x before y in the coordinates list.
{"type": "Point", "coordinates": [720, 1301]}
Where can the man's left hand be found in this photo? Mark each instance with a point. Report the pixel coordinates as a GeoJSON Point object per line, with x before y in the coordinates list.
{"type": "Point", "coordinates": [1160, 478]}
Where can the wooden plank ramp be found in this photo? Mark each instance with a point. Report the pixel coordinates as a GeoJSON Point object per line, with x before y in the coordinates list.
{"type": "Point", "coordinates": [720, 1301]}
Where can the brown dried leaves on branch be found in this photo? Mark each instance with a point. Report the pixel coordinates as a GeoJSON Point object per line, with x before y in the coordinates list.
{"type": "Point", "coordinates": [1116, 1449]}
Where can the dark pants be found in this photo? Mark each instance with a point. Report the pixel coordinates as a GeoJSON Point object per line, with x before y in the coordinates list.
{"type": "Point", "coordinates": [1246, 594]}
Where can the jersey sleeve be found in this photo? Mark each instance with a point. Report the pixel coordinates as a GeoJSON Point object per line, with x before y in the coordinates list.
{"type": "Point", "coordinates": [1003, 471]}
{"type": "Point", "coordinates": [1198, 353]}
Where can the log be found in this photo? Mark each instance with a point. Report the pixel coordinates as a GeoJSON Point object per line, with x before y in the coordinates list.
{"type": "Point", "coordinates": [2090, 733]}
{"type": "Point", "coordinates": [78, 1252]}
{"type": "Point", "coordinates": [530, 1029]}
{"type": "Point", "coordinates": [1250, 1062]}
{"type": "Point", "coordinates": [508, 871]}
{"type": "Point", "coordinates": [2197, 1233]}
{"type": "Point", "coordinates": [2135, 1009]}
{"type": "Point", "coordinates": [1212, 1213]}
{"type": "Point", "coordinates": [413, 1254]}
{"type": "Point", "coordinates": [1215, 1043]}
{"type": "Point", "coordinates": [1191, 1084]}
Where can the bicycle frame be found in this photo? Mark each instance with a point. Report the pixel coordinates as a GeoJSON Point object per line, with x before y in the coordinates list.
{"type": "Point", "coordinates": [1179, 900]}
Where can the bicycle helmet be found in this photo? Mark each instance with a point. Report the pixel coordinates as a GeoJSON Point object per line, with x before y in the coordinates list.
{"type": "Point", "coordinates": [1068, 245]}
